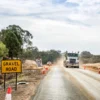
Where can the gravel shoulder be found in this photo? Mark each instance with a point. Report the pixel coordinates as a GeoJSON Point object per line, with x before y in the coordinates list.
{"type": "Point", "coordinates": [24, 91]}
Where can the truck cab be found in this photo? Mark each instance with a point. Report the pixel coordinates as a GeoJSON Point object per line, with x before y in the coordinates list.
{"type": "Point", "coordinates": [72, 60]}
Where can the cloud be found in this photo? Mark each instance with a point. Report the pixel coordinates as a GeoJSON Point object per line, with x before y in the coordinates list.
{"type": "Point", "coordinates": [71, 25]}
{"type": "Point", "coordinates": [71, 4]}
{"type": "Point", "coordinates": [58, 1]}
{"type": "Point", "coordinates": [74, 11]}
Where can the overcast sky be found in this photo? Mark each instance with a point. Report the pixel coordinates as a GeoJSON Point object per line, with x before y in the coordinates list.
{"type": "Point", "coordinates": [72, 25]}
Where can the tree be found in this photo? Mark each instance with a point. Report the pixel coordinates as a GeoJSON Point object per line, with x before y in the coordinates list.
{"type": "Point", "coordinates": [33, 53]}
{"type": "Point", "coordinates": [14, 37]}
{"type": "Point", "coordinates": [3, 50]}
{"type": "Point", "coordinates": [30, 53]}
{"type": "Point", "coordinates": [85, 56]}
{"type": "Point", "coordinates": [66, 54]}
{"type": "Point", "coordinates": [51, 55]}
{"type": "Point", "coordinates": [95, 59]}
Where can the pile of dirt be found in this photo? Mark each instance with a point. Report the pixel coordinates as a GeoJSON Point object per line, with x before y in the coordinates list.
{"type": "Point", "coordinates": [92, 66]}
{"type": "Point", "coordinates": [29, 64]}
{"type": "Point", "coordinates": [97, 65]}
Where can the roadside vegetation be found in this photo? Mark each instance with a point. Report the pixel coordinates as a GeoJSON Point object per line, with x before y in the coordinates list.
{"type": "Point", "coordinates": [32, 53]}
{"type": "Point", "coordinates": [16, 42]}
{"type": "Point", "coordinates": [3, 50]}
{"type": "Point", "coordinates": [87, 57]}
{"type": "Point", "coordinates": [14, 37]}
{"type": "Point", "coordinates": [90, 62]}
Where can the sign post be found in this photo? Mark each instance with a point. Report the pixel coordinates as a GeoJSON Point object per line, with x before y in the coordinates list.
{"type": "Point", "coordinates": [11, 66]}
{"type": "Point", "coordinates": [4, 80]}
{"type": "Point", "coordinates": [16, 82]}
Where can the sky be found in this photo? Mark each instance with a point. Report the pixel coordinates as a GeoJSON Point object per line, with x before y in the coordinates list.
{"type": "Point", "coordinates": [66, 25]}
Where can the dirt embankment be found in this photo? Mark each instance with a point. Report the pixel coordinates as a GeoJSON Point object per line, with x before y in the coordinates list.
{"type": "Point", "coordinates": [31, 75]}
{"type": "Point", "coordinates": [92, 66]}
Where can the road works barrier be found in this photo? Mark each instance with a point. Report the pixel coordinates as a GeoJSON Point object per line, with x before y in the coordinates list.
{"type": "Point", "coordinates": [8, 94]}
{"type": "Point", "coordinates": [43, 71]}
{"type": "Point", "coordinates": [84, 67]}
{"type": "Point", "coordinates": [46, 68]}
{"type": "Point", "coordinates": [99, 71]}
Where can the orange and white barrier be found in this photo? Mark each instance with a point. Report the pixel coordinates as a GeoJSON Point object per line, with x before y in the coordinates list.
{"type": "Point", "coordinates": [8, 94]}
{"type": "Point", "coordinates": [43, 71]}
{"type": "Point", "coordinates": [46, 68]}
{"type": "Point", "coordinates": [84, 67]}
{"type": "Point", "coordinates": [99, 71]}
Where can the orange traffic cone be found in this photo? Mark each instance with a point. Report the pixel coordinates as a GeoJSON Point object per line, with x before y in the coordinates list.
{"type": "Point", "coordinates": [99, 71]}
{"type": "Point", "coordinates": [46, 68]}
{"type": "Point", "coordinates": [84, 67]}
{"type": "Point", "coordinates": [8, 94]}
{"type": "Point", "coordinates": [43, 71]}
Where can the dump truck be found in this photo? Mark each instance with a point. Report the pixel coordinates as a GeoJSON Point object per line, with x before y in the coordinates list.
{"type": "Point", "coordinates": [72, 60]}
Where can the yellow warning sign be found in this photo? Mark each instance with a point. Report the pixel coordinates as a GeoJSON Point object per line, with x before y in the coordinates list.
{"type": "Point", "coordinates": [11, 66]}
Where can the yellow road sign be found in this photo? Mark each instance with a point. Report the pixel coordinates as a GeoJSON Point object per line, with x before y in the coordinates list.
{"type": "Point", "coordinates": [11, 66]}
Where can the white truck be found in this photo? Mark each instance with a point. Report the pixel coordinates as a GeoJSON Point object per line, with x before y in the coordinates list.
{"type": "Point", "coordinates": [72, 60]}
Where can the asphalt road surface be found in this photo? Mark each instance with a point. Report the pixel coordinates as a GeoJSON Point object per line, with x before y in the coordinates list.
{"type": "Point", "coordinates": [55, 86]}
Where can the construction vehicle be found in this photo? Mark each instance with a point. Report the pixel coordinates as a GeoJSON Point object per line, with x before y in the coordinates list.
{"type": "Point", "coordinates": [72, 60]}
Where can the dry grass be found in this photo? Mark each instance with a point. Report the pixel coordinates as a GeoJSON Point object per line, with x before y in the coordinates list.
{"type": "Point", "coordinates": [24, 91]}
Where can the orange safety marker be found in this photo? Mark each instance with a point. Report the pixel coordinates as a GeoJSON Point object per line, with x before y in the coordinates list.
{"type": "Point", "coordinates": [99, 71]}
{"type": "Point", "coordinates": [8, 94]}
{"type": "Point", "coordinates": [84, 67]}
{"type": "Point", "coordinates": [46, 68]}
{"type": "Point", "coordinates": [43, 71]}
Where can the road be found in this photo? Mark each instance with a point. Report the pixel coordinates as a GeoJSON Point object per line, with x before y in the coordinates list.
{"type": "Point", "coordinates": [89, 80]}
{"type": "Point", "coordinates": [56, 86]}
